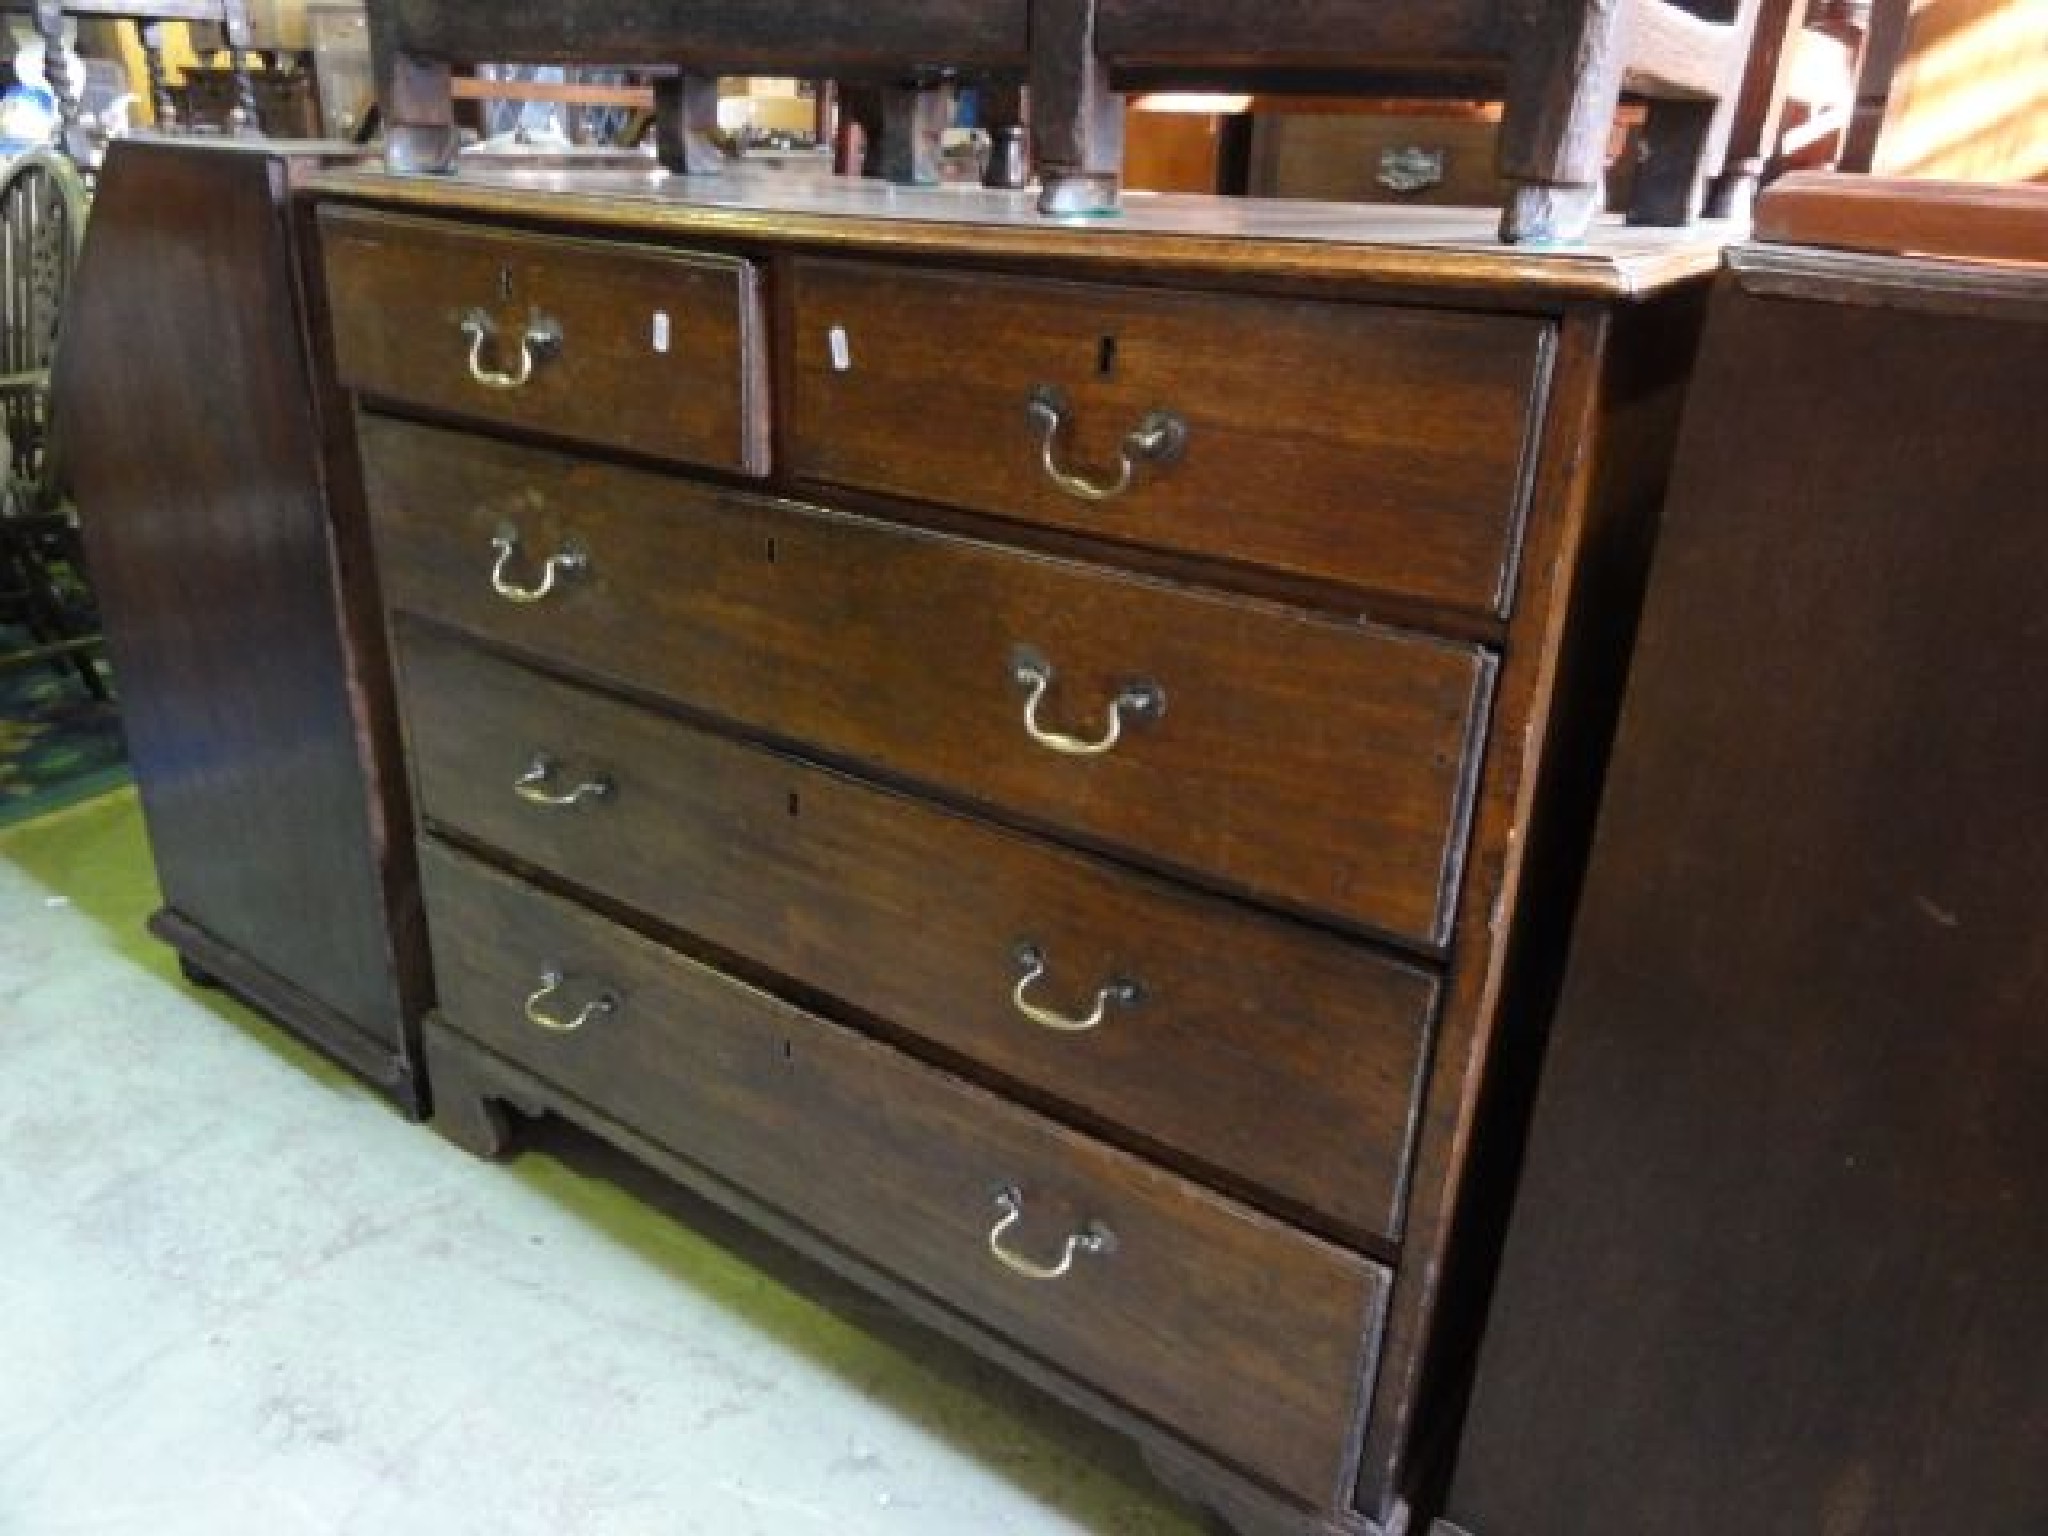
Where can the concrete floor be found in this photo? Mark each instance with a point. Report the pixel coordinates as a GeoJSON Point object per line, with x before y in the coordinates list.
{"type": "Point", "coordinates": [238, 1295]}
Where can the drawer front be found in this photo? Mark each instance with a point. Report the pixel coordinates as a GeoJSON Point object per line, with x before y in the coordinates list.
{"type": "Point", "coordinates": [1199, 1307]}
{"type": "Point", "coordinates": [634, 348]}
{"type": "Point", "coordinates": [1316, 764]}
{"type": "Point", "coordinates": [1374, 446]}
{"type": "Point", "coordinates": [1345, 158]}
{"type": "Point", "coordinates": [1270, 1055]}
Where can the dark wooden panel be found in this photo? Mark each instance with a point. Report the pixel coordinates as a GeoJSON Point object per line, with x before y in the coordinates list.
{"type": "Point", "coordinates": [721, 38]}
{"type": "Point", "coordinates": [1272, 1055]}
{"type": "Point", "coordinates": [659, 352]}
{"type": "Point", "coordinates": [1776, 1261]}
{"type": "Point", "coordinates": [1311, 762]}
{"type": "Point", "coordinates": [902, 1164]}
{"type": "Point", "coordinates": [1366, 444]}
{"type": "Point", "coordinates": [198, 469]}
{"type": "Point", "coordinates": [1322, 33]}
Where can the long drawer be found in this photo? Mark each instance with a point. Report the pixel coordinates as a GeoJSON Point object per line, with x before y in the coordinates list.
{"type": "Point", "coordinates": [1320, 765]}
{"type": "Point", "coordinates": [659, 352]}
{"type": "Point", "coordinates": [1376, 446]}
{"type": "Point", "coordinates": [1272, 1055]}
{"type": "Point", "coordinates": [1239, 1333]}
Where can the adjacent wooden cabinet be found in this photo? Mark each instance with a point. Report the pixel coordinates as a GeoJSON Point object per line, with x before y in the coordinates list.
{"type": "Point", "coordinates": [1043, 765]}
{"type": "Point", "coordinates": [1776, 1264]}
{"type": "Point", "coordinates": [216, 484]}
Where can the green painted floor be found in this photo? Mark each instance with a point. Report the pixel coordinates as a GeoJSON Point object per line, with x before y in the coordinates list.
{"type": "Point", "coordinates": [238, 1295]}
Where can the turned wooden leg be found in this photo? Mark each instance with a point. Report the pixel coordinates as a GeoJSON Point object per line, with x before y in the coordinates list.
{"type": "Point", "coordinates": [49, 24]}
{"type": "Point", "coordinates": [151, 34]}
{"type": "Point", "coordinates": [1009, 149]}
{"type": "Point", "coordinates": [685, 118]}
{"type": "Point", "coordinates": [244, 121]}
{"type": "Point", "coordinates": [913, 119]}
{"type": "Point", "coordinates": [1077, 121]}
{"type": "Point", "coordinates": [467, 1111]}
{"type": "Point", "coordinates": [1564, 82]}
{"type": "Point", "coordinates": [1759, 110]}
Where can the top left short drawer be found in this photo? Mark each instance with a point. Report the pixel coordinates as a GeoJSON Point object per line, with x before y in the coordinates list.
{"type": "Point", "coordinates": [653, 351]}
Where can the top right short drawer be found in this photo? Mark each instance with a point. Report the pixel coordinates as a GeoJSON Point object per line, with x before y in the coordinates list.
{"type": "Point", "coordinates": [1383, 448]}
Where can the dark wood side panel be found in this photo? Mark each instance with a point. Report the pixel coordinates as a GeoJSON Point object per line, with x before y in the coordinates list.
{"type": "Point", "coordinates": [1309, 762]}
{"type": "Point", "coordinates": [1326, 34]}
{"type": "Point", "coordinates": [197, 473]}
{"type": "Point", "coordinates": [723, 37]}
{"type": "Point", "coordinates": [1198, 1308]}
{"type": "Point", "coordinates": [1776, 1262]}
{"type": "Point", "coordinates": [1271, 1054]}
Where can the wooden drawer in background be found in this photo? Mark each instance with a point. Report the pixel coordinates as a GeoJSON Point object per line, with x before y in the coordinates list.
{"type": "Point", "coordinates": [654, 351]}
{"type": "Point", "coordinates": [1225, 1326]}
{"type": "Point", "coordinates": [1371, 445]}
{"type": "Point", "coordinates": [1317, 764]}
{"type": "Point", "coordinates": [1269, 1054]}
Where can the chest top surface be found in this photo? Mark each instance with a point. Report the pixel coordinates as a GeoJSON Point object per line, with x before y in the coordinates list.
{"type": "Point", "coordinates": [1255, 237]}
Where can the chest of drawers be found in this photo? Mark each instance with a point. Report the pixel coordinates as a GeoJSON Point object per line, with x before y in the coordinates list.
{"type": "Point", "coordinates": [1041, 765]}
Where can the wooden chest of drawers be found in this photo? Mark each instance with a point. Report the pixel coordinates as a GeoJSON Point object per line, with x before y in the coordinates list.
{"type": "Point", "coordinates": [1043, 766]}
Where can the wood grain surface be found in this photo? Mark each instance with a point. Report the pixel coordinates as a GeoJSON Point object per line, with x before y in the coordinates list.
{"type": "Point", "coordinates": [1319, 765]}
{"type": "Point", "coordinates": [1377, 446]}
{"type": "Point", "coordinates": [659, 353]}
{"type": "Point", "coordinates": [1277, 1060]}
{"type": "Point", "coordinates": [902, 1164]}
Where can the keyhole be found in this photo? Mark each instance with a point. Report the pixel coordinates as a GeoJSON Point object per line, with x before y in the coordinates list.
{"type": "Point", "coordinates": [796, 804]}
{"type": "Point", "coordinates": [505, 283]}
{"type": "Point", "coordinates": [771, 551]}
{"type": "Point", "coordinates": [1105, 356]}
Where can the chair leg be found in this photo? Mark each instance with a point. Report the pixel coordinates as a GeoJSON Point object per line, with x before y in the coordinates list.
{"type": "Point", "coordinates": [1564, 82]}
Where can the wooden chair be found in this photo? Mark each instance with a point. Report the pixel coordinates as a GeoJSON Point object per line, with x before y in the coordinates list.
{"type": "Point", "coordinates": [1561, 66]}
{"type": "Point", "coordinates": [42, 568]}
{"type": "Point", "coordinates": [232, 16]}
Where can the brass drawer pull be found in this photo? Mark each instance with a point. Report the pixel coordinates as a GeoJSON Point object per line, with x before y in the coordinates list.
{"type": "Point", "coordinates": [505, 541]}
{"type": "Point", "coordinates": [532, 786]}
{"type": "Point", "coordinates": [551, 982]}
{"type": "Point", "coordinates": [1160, 438]}
{"type": "Point", "coordinates": [1119, 992]}
{"type": "Point", "coordinates": [1094, 1239]}
{"type": "Point", "coordinates": [1140, 700]}
{"type": "Point", "coordinates": [541, 340]}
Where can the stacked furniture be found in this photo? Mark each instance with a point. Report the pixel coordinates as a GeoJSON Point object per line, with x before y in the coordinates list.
{"type": "Point", "coordinates": [1041, 765]}
{"type": "Point", "coordinates": [217, 494]}
{"type": "Point", "coordinates": [1560, 65]}
{"type": "Point", "coordinates": [149, 15]}
{"type": "Point", "coordinates": [1776, 1262]}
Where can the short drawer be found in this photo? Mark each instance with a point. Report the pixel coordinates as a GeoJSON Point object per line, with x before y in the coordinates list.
{"type": "Point", "coordinates": [1379, 447]}
{"type": "Point", "coordinates": [1243, 1335]}
{"type": "Point", "coordinates": [1276, 1059]}
{"type": "Point", "coordinates": [654, 351]}
{"type": "Point", "coordinates": [1300, 760]}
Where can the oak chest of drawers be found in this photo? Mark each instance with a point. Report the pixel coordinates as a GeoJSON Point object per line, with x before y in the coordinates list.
{"type": "Point", "coordinates": [1042, 764]}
